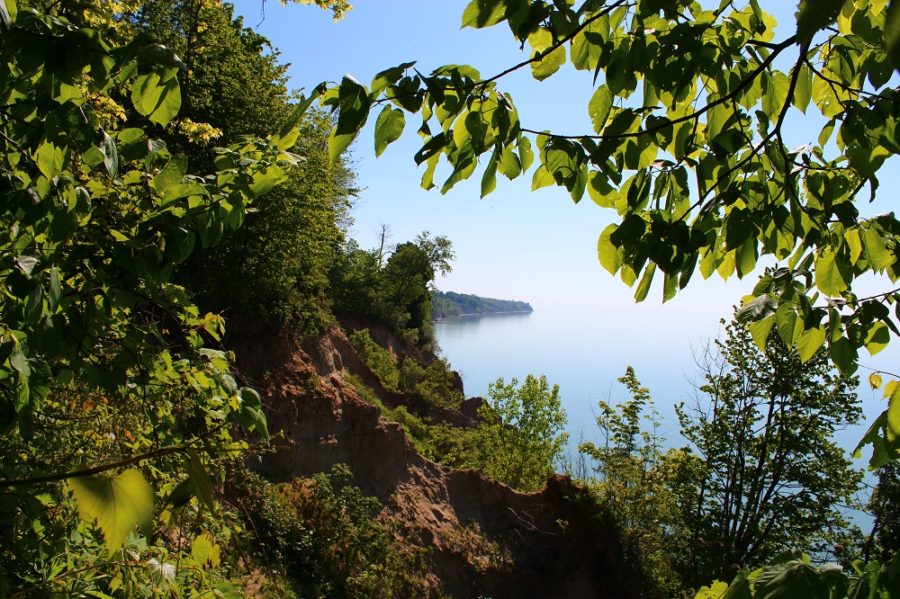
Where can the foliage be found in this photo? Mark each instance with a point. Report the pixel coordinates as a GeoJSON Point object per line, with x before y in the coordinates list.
{"type": "Point", "coordinates": [642, 485]}
{"type": "Point", "coordinates": [405, 280]}
{"type": "Point", "coordinates": [771, 477]}
{"type": "Point", "coordinates": [439, 251]}
{"type": "Point", "coordinates": [379, 360]}
{"type": "Point", "coordinates": [446, 304]}
{"type": "Point", "coordinates": [109, 378]}
{"type": "Point", "coordinates": [324, 533]}
{"type": "Point", "coordinates": [794, 575]}
{"type": "Point", "coordinates": [434, 383]}
{"type": "Point", "coordinates": [687, 144]}
{"type": "Point", "coordinates": [397, 293]}
{"type": "Point", "coordinates": [287, 244]}
{"type": "Point", "coordinates": [520, 433]}
{"type": "Point", "coordinates": [885, 506]}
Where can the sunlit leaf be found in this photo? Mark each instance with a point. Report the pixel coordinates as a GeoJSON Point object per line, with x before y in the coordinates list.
{"type": "Point", "coordinates": [809, 342]}
{"type": "Point", "coordinates": [118, 504]}
{"type": "Point", "coordinates": [353, 110]}
{"type": "Point", "coordinates": [204, 550]}
{"type": "Point", "coordinates": [483, 13]}
{"type": "Point", "coordinates": [388, 128]}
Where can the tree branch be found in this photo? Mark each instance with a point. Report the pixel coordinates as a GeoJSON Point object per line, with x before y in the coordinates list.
{"type": "Point", "coordinates": [689, 117]}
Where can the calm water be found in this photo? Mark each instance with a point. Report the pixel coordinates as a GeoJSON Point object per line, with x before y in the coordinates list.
{"type": "Point", "coordinates": [584, 354]}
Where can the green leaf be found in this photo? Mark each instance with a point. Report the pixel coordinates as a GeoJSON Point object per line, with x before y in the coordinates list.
{"type": "Point", "coordinates": [251, 415]}
{"type": "Point", "coordinates": [787, 324]}
{"type": "Point", "coordinates": [509, 164]}
{"type": "Point", "coordinates": [877, 338]}
{"type": "Point", "coordinates": [810, 342]}
{"type": "Point", "coordinates": [547, 63]}
{"type": "Point", "coordinates": [117, 503]}
{"type": "Point", "coordinates": [483, 13]}
{"type": "Point", "coordinates": [745, 257]}
{"type": "Point", "coordinates": [643, 287]}
{"type": "Point", "coordinates": [803, 89]}
{"type": "Point", "coordinates": [844, 356]}
{"type": "Point", "coordinates": [169, 104]}
{"type": "Point", "coordinates": [716, 590]}
{"type": "Point", "coordinates": [289, 132]}
{"type": "Point", "coordinates": [760, 330]}
{"type": "Point", "coordinates": [599, 107]}
{"type": "Point", "coordinates": [892, 33]}
{"type": "Point", "coordinates": [170, 176]}
{"type": "Point", "coordinates": [388, 128]}
{"type": "Point", "coordinates": [489, 179]}
{"type": "Point", "coordinates": [19, 362]}
{"type": "Point", "coordinates": [610, 256]}
{"type": "Point", "coordinates": [8, 12]}
{"type": "Point", "coordinates": [200, 481]}
{"type": "Point", "coordinates": [389, 77]}
{"type": "Point", "coordinates": [110, 155]}
{"type": "Point", "coordinates": [541, 178]}
{"type": "Point", "coordinates": [876, 252]}
{"type": "Point", "coordinates": [265, 180]}
{"type": "Point", "coordinates": [814, 15]}
{"type": "Point", "coordinates": [159, 100]}
{"type": "Point", "coordinates": [205, 550]}
{"type": "Point", "coordinates": [50, 159]}
{"type": "Point", "coordinates": [893, 416]}
{"type": "Point", "coordinates": [353, 106]}
{"type": "Point", "coordinates": [829, 279]}
{"type": "Point", "coordinates": [881, 453]}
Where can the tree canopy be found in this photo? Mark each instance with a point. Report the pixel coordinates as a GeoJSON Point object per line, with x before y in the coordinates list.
{"type": "Point", "coordinates": [686, 144]}
{"type": "Point", "coordinates": [112, 378]}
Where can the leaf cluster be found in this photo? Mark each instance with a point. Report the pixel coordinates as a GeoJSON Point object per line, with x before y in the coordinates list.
{"type": "Point", "coordinates": [686, 142]}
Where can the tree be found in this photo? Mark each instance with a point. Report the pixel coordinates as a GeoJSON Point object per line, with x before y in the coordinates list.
{"type": "Point", "coordinates": [686, 144]}
{"type": "Point", "coordinates": [643, 485]}
{"type": "Point", "coordinates": [405, 280]}
{"type": "Point", "coordinates": [110, 378]}
{"type": "Point", "coordinates": [771, 477]}
{"type": "Point", "coordinates": [397, 293]}
{"type": "Point", "coordinates": [885, 506]}
{"type": "Point", "coordinates": [439, 251]}
{"type": "Point", "coordinates": [520, 434]}
{"type": "Point", "coordinates": [275, 266]}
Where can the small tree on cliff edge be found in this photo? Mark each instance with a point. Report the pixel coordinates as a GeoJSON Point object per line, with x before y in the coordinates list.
{"type": "Point", "coordinates": [771, 478]}
{"type": "Point", "coordinates": [521, 435]}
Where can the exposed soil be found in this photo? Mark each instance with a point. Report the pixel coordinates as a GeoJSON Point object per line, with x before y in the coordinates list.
{"type": "Point", "coordinates": [483, 538]}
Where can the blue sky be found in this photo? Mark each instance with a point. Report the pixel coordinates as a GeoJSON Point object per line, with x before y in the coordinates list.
{"type": "Point", "coordinates": [539, 247]}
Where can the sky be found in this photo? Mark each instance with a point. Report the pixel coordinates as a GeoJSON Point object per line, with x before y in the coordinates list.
{"type": "Point", "coordinates": [514, 244]}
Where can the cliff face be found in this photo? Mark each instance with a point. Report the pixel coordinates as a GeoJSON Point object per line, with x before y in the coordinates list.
{"type": "Point", "coordinates": [484, 539]}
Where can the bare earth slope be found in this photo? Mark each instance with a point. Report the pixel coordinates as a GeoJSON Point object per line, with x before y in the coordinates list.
{"type": "Point", "coordinates": [484, 539]}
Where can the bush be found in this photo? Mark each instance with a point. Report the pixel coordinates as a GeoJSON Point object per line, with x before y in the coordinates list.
{"type": "Point", "coordinates": [520, 435]}
{"type": "Point", "coordinates": [324, 533]}
{"type": "Point", "coordinates": [379, 360]}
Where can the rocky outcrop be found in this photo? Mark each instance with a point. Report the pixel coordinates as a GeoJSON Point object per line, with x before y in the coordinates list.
{"type": "Point", "coordinates": [484, 539]}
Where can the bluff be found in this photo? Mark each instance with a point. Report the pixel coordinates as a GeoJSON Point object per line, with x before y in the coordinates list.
{"type": "Point", "coordinates": [480, 537]}
{"type": "Point", "coordinates": [447, 304]}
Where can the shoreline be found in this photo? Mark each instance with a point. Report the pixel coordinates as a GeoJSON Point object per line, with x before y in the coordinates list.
{"type": "Point", "coordinates": [482, 314]}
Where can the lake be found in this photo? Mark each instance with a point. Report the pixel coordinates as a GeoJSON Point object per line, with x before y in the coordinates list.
{"type": "Point", "coordinates": [585, 352]}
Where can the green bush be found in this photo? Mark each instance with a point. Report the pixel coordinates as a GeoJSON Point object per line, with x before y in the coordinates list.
{"type": "Point", "coordinates": [325, 536]}
{"type": "Point", "coordinates": [432, 383]}
{"type": "Point", "coordinates": [520, 433]}
{"type": "Point", "coordinates": [379, 360]}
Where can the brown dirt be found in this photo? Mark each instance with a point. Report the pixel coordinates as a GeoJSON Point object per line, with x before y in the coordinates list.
{"type": "Point", "coordinates": [484, 539]}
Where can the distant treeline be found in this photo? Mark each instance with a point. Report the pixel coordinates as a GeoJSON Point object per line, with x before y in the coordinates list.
{"type": "Point", "coordinates": [446, 304]}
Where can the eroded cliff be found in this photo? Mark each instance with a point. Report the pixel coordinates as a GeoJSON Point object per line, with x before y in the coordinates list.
{"type": "Point", "coordinates": [482, 539]}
